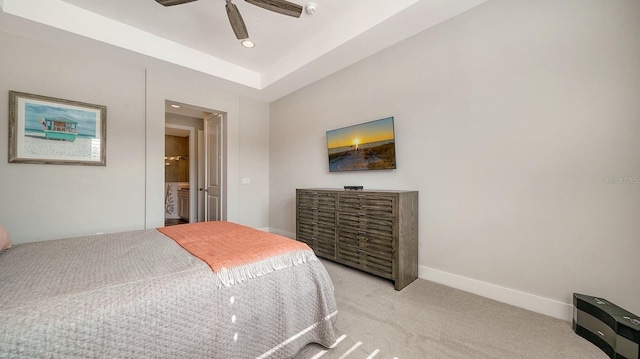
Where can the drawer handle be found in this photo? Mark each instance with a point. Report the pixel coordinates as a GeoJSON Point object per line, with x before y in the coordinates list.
{"type": "Point", "coordinates": [601, 333]}
{"type": "Point", "coordinates": [362, 214]}
{"type": "Point", "coordinates": [314, 208]}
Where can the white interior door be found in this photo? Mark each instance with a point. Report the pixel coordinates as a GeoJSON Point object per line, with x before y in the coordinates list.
{"type": "Point", "coordinates": [201, 175]}
{"type": "Point", "coordinates": [213, 132]}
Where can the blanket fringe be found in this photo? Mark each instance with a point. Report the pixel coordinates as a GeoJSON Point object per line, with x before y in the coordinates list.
{"type": "Point", "coordinates": [235, 275]}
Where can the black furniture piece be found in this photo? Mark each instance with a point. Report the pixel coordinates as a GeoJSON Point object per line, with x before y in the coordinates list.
{"type": "Point", "coordinates": [611, 328]}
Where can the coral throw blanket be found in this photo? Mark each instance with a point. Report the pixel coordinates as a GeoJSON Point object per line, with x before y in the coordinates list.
{"type": "Point", "coordinates": [226, 245]}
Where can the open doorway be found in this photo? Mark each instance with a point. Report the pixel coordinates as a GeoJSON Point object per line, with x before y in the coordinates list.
{"type": "Point", "coordinates": [179, 171]}
{"type": "Point", "coordinates": [194, 164]}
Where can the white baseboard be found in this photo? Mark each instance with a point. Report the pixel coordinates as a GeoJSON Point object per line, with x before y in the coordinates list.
{"type": "Point", "coordinates": [546, 306]}
{"type": "Point", "coordinates": [550, 307]}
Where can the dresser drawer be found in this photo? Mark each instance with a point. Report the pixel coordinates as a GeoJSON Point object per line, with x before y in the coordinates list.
{"type": "Point", "coordinates": [321, 238]}
{"type": "Point", "coordinates": [316, 207]}
{"type": "Point", "coordinates": [317, 216]}
{"type": "Point", "coordinates": [370, 205]}
{"type": "Point", "coordinates": [323, 248]}
{"type": "Point", "coordinates": [372, 241]}
{"type": "Point", "coordinates": [315, 200]}
{"type": "Point", "coordinates": [366, 223]}
{"type": "Point", "coordinates": [370, 261]}
{"type": "Point", "coordinates": [315, 229]}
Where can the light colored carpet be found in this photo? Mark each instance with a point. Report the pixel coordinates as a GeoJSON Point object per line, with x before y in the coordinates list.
{"type": "Point", "coordinates": [429, 320]}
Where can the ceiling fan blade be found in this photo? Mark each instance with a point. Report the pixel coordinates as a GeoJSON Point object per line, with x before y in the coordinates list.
{"type": "Point", "coordinates": [173, 2]}
{"type": "Point", "coordinates": [237, 24]}
{"type": "Point", "coordinates": [280, 6]}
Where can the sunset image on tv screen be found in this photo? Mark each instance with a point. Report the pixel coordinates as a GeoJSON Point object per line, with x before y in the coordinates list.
{"type": "Point", "coordinates": [367, 146]}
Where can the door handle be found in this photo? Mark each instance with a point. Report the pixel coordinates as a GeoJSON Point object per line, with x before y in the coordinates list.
{"type": "Point", "coordinates": [204, 189]}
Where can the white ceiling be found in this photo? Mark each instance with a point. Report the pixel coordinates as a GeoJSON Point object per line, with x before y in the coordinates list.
{"type": "Point", "coordinates": [289, 54]}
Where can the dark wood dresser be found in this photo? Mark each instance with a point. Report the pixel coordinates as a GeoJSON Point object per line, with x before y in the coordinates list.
{"type": "Point", "coordinates": [372, 230]}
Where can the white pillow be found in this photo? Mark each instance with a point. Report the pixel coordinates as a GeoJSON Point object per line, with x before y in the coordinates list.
{"type": "Point", "coordinates": [5, 241]}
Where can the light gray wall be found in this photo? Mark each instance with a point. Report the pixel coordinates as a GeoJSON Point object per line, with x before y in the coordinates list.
{"type": "Point", "coordinates": [254, 145]}
{"type": "Point", "coordinates": [510, 120]}
{"type": "Point", "coordinates": [40, 202]}
{"type": "Point", "coordinates": [53, 201]}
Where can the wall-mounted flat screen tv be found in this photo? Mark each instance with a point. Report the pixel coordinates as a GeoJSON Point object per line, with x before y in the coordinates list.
{"type": "Point", "coordinates": [367, 146]}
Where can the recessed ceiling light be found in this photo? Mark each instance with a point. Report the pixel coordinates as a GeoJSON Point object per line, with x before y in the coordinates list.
{"type": "Point", "coordinates": [248, 44]}
{"type": "Point", "coordinates": [175, 106]}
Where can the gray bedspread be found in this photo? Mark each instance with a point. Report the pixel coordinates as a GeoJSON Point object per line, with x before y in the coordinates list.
{"type": "Point", "coordinates": [140, 295]}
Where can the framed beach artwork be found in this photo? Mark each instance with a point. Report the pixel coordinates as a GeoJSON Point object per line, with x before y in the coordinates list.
{"type": "Point", "coordinates": [47, 130]}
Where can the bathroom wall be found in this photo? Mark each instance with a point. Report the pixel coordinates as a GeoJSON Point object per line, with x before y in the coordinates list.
{"type": "Point", "coordinates": [176, 174]}
{"type": "Point", "coordinates": [176, 153]}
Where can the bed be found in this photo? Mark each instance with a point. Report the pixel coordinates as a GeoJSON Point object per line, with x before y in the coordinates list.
{"type": "Point", "coordinates": [171, 292]}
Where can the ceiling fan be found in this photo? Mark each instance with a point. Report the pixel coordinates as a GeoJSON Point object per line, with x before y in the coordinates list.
{"type": "Point", "coordinates": [237, 24]}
